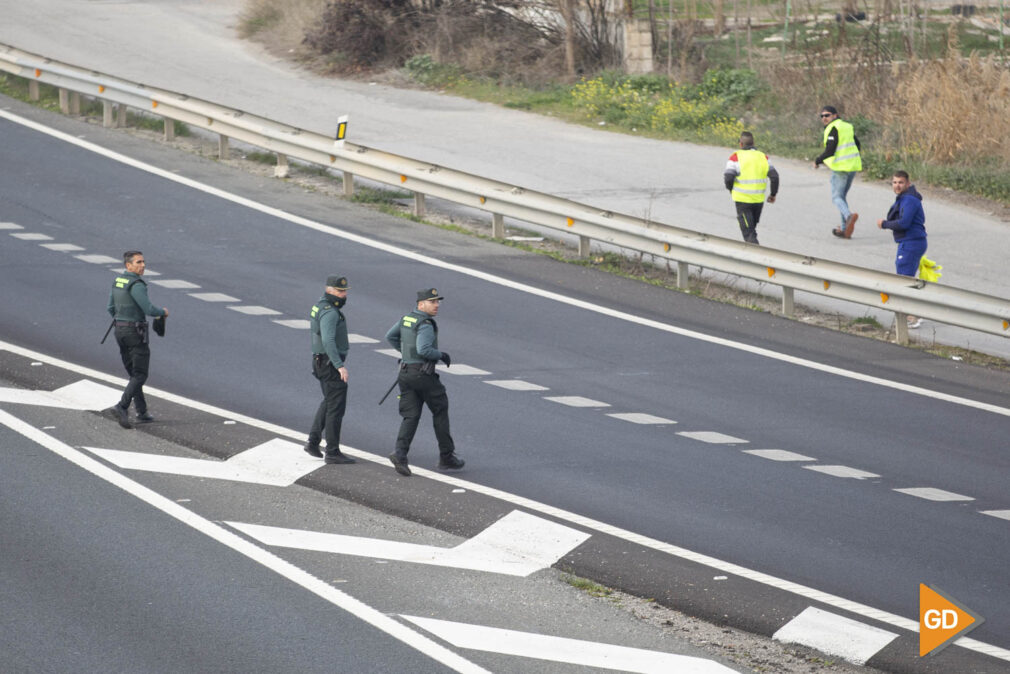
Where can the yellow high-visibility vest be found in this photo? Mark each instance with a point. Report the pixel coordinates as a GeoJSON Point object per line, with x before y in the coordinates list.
{"type": "Point", "coordinates": [749, 187]}
{"type": "Point", "coordinates": [846, 156]}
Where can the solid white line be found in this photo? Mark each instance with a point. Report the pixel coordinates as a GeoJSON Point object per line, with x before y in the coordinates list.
{"type": "Point", "coordinates": [355, 607]}
{"type": "Point", "coordinates": [570, 651]}
{"type": "Point", "coordinates": [835, 635]}
{"type": "Point", "coordinates": [516, 545]}
{"type": "Point", "coordinates": [498, 280]}
{"type": "Point", "coordinates": [530, 504]}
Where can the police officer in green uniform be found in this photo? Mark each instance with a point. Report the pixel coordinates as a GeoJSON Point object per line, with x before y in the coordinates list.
{"type": "Point", "coordinates": [129, 307]}
{"type": "Point", "coordinates": [415, 336]}
{"type": "Point", "coordinates": [329, 356]}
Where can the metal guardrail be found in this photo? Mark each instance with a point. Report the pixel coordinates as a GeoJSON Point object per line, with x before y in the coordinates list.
{"type": "Point", "coordinates": [790, 271]}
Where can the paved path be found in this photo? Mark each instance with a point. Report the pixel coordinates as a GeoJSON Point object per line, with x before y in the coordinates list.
{"type": "Point", "coordinates": [191, 46]}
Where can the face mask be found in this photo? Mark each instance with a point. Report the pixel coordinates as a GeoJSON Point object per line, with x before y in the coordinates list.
{"type": "Point", "coordinates": [338, 302]}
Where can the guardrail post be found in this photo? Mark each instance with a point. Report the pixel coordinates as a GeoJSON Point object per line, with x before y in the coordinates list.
{"type": "Point", "coordinates": [348, 180]}
{"type": "Point", "coordinates": [497, 226]}
{"type": "Point", "coordinates": [64, 101]}
{"type": "Point", "coordinates": [222, 147]}
{"type": "Point", "coordinates": [418, 205]}
{"type": "Point", "coordinates": [682, 279]}
{"type": "Point", "coordinates": [583, 246]}
{"type": "Point", "coordinates": [121, 116]}
{"type": "Point", "coordinates": [75, 103]}
{"type": "Point", "coordinates": [900, 328]}
{"type": "Point", "coordinates": [282, 170]}
{"type": "Point", "coordinates": [169, 129]}
{"type": "Point", "coordinates": [33, 90]}
{"type": "Point", "coordinates": [787, 301]}
{"type": "Point", "coordinates": [107, 116]}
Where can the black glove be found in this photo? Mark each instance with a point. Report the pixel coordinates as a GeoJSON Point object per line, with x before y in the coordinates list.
{"type": "Point", "coordinates": [446, 359]}
{"type": "Point", "coordinates": [159, 326]}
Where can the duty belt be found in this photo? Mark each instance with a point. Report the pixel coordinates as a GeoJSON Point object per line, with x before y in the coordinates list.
{"type": "Point", "coordinates": [129, 324]}
{"type": "Point", "coordinates": [427, 367]}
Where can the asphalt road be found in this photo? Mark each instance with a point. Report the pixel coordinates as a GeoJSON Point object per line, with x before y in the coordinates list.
{"type": "Point", "coordinates": [858, 538]}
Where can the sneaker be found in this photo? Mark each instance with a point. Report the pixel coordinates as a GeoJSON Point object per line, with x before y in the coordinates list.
{"type": "Point", "coordinates": [914, 323]}
{"type": "Point", "coordinates": [122, 416]}
{"type": "Point", "coordinates": [838, 232]}
{"type": "Point", "coordinates": [313, 450]}
{"type": "Point", "coordinates": [144, 418]}
{"type": "Point", "coordinates": [399, 464]}
{"type": "Point", "coordinates": [450, 462]}
{"type": "Point", "coordinates": [850, 224]}
{"type": "Point", "coordinates": [337, 457]}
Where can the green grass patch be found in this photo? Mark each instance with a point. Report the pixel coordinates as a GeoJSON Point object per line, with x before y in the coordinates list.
{"type": "Point", "coordinates": [587, 586]}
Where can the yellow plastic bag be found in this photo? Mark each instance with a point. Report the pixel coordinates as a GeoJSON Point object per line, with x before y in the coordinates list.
{"type": "Point", "coordinates": [929, 270]}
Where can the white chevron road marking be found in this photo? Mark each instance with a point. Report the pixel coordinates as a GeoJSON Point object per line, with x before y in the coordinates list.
{"type": "Point", "coordinates": [81, 395]}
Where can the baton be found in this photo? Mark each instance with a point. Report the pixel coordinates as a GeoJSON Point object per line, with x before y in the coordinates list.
{"type": "Point", "coordinates": [108, 331]}
{"type": "Point", "coordinates": [392, 386]}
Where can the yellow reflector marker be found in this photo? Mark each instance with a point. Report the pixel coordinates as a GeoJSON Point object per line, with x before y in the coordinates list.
{"type": "Point", "coordinates": [38, 73]}
{"type": "Point", "coordinates": [341, 130]}
{"type": "Point", "coordinates": [403, 179]}
{"type": "Point", "coordinates": [666, 247]}
{"type": "Point", "coordinates": [332, 159]}
{"type": "Point", "coordinates": [483, 200]}
{"type": "Point", "coordinates": [569, 221]}
{"type": "Point", "coordinates": [884, 297]}
{"type": "Point", "coordinates": [101, 88]}
{"type": "Point", "coordinates": [771, 272]}
{"type": "Point", "coordinates": [1006, 325]}
{"type": "Point", "coordinates": [826, 285]}
{"type": "Point", "coordinates": [154, 104]}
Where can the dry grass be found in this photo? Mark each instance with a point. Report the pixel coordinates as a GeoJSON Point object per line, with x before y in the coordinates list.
{"type": "Point", "coordinates": [281, 29]}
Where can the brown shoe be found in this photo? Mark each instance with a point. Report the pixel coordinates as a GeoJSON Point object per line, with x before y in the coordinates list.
{"type": "Point", "coordinates": [850, 224]}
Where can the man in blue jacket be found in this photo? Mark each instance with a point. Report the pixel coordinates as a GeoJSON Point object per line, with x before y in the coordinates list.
{"type": "Point", "coordinates": [907, 222]}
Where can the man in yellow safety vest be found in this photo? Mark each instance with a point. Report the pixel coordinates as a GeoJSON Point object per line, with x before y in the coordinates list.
{"type": "Point", "coordinates": [746, 176]}
{"type": "Point", "coordinates": [841, 155]}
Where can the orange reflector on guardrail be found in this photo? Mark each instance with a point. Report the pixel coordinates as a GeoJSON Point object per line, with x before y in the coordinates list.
{"type": "Point", "coordinates": [483, 200]}
{"type": "Point", "coordinates": [403, 179]}
{"type": "Point", "coordinates": [666, 247]}
{"type": "Point", "coordinates": [771, 272]}
{"type": "Point", "coordinates": [1006, 325]}
{"type": "Point", "coordinates": [569, 221]}
{"type": "Point", "coordinates": [827, 285]}
{"type": "Point", "coordinates": [154, 104]}
{"type": "Point", "coordinates": [884, 297]}
{"type": "Point", "coordinates": [101, 88]}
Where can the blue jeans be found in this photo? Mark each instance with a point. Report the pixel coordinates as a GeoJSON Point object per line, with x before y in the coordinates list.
{"type": "Point", "coordinates": [841, 181]}
{"type": "Point", "coordinates": [906, 262]}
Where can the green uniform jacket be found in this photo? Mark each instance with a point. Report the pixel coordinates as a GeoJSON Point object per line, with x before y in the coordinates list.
{"type": "Point", "coordinates": [132, 305]}
{"type": "Point", "coordinates": [329, 331]}
{"type": "Point", "coordinates": [415, 336]}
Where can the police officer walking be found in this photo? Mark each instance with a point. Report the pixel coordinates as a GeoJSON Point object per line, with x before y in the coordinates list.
{"type": "Point", "coordinates": [129, 307]}
{"type": "Point", "coordinates": [329, 356]}
{"type": "Point", "coordinates": [416, 337]}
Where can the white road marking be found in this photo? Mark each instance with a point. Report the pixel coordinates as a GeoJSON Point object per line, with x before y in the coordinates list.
{"type": "Point", "coordinates": [835, 635]}
{"type": "Point", "coordinates": [388, 352]}
{"type": "Point", "coordinates": [576, 401]}
{"type": "Point", "coordinates": [81, 395]}
{"type": "Point", "coordinates": [1002, 514]}
{"type": "Point", "coordinates": [10, 225]}
{"type": "Point", "coordinates": [31, 236]}
{"type": "Point", "coordinates": [570, 651]}
{"type": "Point", "coordinates": [268, 560]}
{"type": "Point", "coordinates": [99, 259]}
{"type": "Point", "coordinates": [175, 283]}
{"type": "Point", "coordinates": [515, 385]}
{"type": "Point", "coordinates": [641, 418]}
{"type": "Point", "coordinates": [842, 471]}
{"type": "Point", "coordinates": [713, 437]}
{"type": "Point", "coordinates": [276, 462]}
{"type": "Point", "coordinates": [297, 323]}
{"type": "Point", "coordinates": [360, 339]}
{"type": "Point", "coordinates": [516, 545]}
{"type": "Point", "coordinates": [934, 494]}
{"type": "Point", "coordinates": [460, 369]}
{"type": "Point", "coordinates": [61, 247]}
{"type": "Point", "coordinates": [778, 455]}
{"type": "Point", "coordinates": [214, 297]}
{"type": "Point", "coordinates": [254, 310]}
{"type": "Point", "coordinates": [530, 504]}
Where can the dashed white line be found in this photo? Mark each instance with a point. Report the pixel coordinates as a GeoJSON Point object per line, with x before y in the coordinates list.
{"type": "Point", "coordinates": [359, 339]}
{"type": "Point", "coordinates": [515, 385]}
{"type": "Point", "coordinates": [297, 323]}
{"type": "Point", "coordinates": [713, 437]}
{"type": "Point", "coordinates": [214, 297]}
{"type": "Point", "coordinates": [461, 369]}
{"type": "Point", "coordinates": [10, 225]}
{"type": "Point", "coordinates": [61, 247]}
{"type": "Point", "coordinates": [576, 401]}
{"type": "Point", "coordinates": [778, 455]}
{"type": "Point", "coordinates": [98, 259]}
{"type": "Point", "coordinates": [934, 494]}
{"type": "Point", "coordinates": [835, 635]}
{"type": "Point", "coordinates": [175, 283]}
{"type": "Point", "coordinates": [31, 236]}
{"type": "Point", "coordinates": [641, 418]}
{"type": "Point", "coordinates": [1002, 514]}
{"type": "Point", "coordinates": [842, 471]}
{"type": "Point", "coordinates": [388, 352]}
{"type": "Point", "coordinates": [254, 310]}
